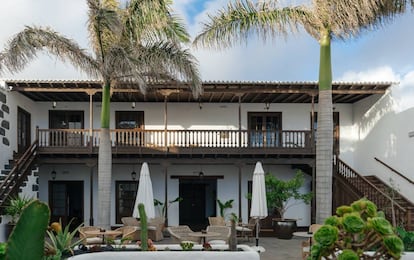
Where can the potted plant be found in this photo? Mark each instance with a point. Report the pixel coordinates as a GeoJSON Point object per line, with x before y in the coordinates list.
{"type": "Point", "coordinates": [281, 195]}
{"type": "Point", "coordinates": [223, 206]}
{"type": "Point", "coordinates": [357, 231]}
{"type": "Point", "coordinates": [14, 209]}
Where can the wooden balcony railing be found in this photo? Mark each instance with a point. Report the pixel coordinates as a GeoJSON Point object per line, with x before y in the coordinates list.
{"type": "Point", "coordinates": [72, 138]}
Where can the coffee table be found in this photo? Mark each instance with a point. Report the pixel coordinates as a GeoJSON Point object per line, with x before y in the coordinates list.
{"type": "Point", "coordinates": [203, 235]}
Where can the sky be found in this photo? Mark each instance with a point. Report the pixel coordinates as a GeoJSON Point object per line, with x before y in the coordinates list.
{"type": "Point", "coordinates": [383, 55]}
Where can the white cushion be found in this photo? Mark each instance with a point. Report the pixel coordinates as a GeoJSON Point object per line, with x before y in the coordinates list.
{"type": "Point", "coordinates": [93, 240]}
{"type": "Point", "coordinates": [238, 228]}
{"type": "Point", "coordinates": [217, 242]}
{"type": "Point", "coordinates": [149, 228]}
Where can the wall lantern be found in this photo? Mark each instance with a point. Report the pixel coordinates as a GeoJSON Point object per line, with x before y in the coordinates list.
{"type": "Point", "coordinates": [133, 175]}
{"type": "Point", "coordinates": [54, 104]}
{"type": "Point", "coordinates": [53, 174]}
{"type": "Point", "coordinates": [133, 104]}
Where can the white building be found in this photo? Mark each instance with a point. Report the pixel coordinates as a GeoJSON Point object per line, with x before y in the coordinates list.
{"type": "Point", "coordinates": [201, 150]}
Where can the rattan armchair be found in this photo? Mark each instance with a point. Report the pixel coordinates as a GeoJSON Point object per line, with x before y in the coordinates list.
{"type": "Point", "coordinates": [181, 233]}
{"type": "Point", "coordinates": [89, 239]}
{"type": "Point", "coordinates": [224, 236]}
{"type": "Point", "coordinates": [129, 233]}
{"type": "Point", "coordinates": [216, 221]}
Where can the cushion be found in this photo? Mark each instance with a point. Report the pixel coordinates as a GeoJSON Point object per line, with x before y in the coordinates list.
{"type": "Point", "coordinates": [217, 242]}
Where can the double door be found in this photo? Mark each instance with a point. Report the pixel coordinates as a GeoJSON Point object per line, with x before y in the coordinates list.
{"type": "Point", "coordinates": [265, 129]}
{"type": "Point", "coordinates": [66, 202]}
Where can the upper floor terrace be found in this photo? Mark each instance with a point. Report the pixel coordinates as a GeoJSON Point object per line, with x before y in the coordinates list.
{"type": "Point", "coordinates": [252, 134]}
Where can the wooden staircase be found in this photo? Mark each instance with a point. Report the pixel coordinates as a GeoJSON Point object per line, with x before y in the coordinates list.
{"type": "Point", "coordinates": [11, 183]}
{"type": "Point", "coordinates": [350, 186]}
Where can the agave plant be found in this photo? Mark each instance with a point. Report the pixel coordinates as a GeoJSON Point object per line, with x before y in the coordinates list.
{"type": "Point", "coordinates": [61, 241]}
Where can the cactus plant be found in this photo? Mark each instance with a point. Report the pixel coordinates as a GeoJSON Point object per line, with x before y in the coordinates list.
{"type": "Point", "coordinates": [144, 227]}
{"type": "Point", "coordinates": [27, 239]}
{"type": "Point", "coordinates": [354, 230]}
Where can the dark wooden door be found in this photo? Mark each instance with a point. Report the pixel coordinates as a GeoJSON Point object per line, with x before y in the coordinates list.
{"type": "Point", "coordinates": [192, 207]}
{"type": "Point", "coordinates": [66, 202]}
{"type": "Point", "coordinates": [23, 130]}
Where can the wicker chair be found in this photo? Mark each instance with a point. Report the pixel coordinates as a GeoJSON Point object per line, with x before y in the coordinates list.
{"type": "Point", "coordinates": [130, 221]}
{"type": "Point", "coordinates": [89, 239]}
{"type": "Point", "coordinates": [246, 230]}
{"type": "Point", "coordinates": [216, 221]}
{"type": "Point", "coordinates": [155, 227]}
{"type": "Point", "coordinates": [128, 232]}
{"type": "Point", "coordinates": [224, 236]}
{"type": "Point", "coordinates": [180, 233]}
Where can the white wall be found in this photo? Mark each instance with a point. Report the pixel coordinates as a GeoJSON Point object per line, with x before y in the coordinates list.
{"type": "Point", "coordinates": [381, 131]}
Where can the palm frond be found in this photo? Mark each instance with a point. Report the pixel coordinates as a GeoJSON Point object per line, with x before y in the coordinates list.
{"type": "Point", "coordinates": [25, 46]}
{"type": "Point", "coordinates": [121, 66]}
{"type": "Point", "coordinates": [169, 59]}
{"type": "Point", "coordinates": [152, 20]}
{"type": "Point", "coordinates": [104, 26]}
{"type": "Point", "coordinates": [243, 18]}
{"type": "Point", "coordinates": [348, 18]}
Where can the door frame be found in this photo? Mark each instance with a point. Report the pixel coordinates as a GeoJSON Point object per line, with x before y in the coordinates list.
{"type": "Point", "coordinates": [26, 116]}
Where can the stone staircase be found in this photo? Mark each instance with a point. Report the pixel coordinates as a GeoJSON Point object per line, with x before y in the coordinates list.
{"type": "Point", "coordinates": [350, 186]}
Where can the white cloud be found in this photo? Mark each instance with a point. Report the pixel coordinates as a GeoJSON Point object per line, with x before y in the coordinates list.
{"type": "Point", "coordinates": [379, 74]}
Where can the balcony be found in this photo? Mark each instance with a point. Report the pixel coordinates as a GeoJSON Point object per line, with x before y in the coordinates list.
{"type": "Point", "coordinates": [178, 142]}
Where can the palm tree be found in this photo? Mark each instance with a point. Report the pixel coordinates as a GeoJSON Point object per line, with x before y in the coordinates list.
{"type": "Point", "coordinates": [131, 45]}
{"type": "Point", "coordinates": [323, 20]}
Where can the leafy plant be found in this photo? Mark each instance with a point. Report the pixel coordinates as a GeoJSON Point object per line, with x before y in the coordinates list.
{"type": "Point", "coordinates": [223, 206]}
{"type": "Point", "coordinates": [353, 231]}
{"type": "Point", "coordinates": [61, 241]}
{"type": "Point", "coordinates": [15, 207]}
{"type": "Point", "coordinates": [28, 237]}
{"type": "Point", "coordinates": [162, 207]}
{"type": "Point", "coordinates": [407, 237]}
{"type": "Point", "coordinates": [280, 194]}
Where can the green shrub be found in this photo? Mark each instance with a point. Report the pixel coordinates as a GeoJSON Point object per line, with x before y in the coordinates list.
{"type": "Point", "coordinates": [356, 229]}
{"type": "Point", "coordinates": [407, 237]}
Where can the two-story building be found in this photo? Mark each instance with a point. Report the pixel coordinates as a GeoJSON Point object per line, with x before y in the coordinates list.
{"type": "Point", "coordinates": [201, 150]}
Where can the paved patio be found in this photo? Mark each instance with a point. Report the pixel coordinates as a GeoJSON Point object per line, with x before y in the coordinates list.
{"type": "Point", "coordinates": [275, 248]}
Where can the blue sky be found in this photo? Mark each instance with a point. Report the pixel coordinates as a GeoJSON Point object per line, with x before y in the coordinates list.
{"type": "Point", "coordinates": [383, 55]}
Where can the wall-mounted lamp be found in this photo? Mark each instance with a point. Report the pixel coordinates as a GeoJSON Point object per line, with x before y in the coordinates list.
{"type": "Point", "coordinates": [53, 174]}
{"type": "Point", "coordinates": [267, 105]}
{"type": "Point", "coordinates": [54, 104]}
{"type": "Point", "coordinates": [133, 175]}
{"type": "Point", "coordinates": [200, 105]}
{"type": "Point", "coordinates": [133, 104]}
{"type": "Point", "coordinates": [201, 174]}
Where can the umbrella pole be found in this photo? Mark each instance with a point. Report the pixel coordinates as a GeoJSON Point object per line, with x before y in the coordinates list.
{"type": "Point", "coordinates": [257, 232]}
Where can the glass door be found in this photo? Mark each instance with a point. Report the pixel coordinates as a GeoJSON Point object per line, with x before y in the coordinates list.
{"type": "Point", "coordinates": [265, 129]}
{"type": "Point", "coordinates": [59, 119]}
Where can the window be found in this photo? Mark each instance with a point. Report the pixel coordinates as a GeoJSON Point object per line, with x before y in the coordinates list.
{"type": "Point", "coordinates": [132, 122]}
{"type": "Point", "coordinates": [61, 119]}
{"type": "Point", "coordinates": [265, 129]}
{"type": "Point", "coordinates": [126, 192]}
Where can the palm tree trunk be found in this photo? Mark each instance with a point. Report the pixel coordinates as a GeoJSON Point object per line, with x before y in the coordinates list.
{"type": "Point", "coordinates": [324, 133]}
{"type": "Point", "coordinates": [105, 163]}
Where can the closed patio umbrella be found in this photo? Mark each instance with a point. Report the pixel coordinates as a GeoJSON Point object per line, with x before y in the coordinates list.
{"type": "Point", "coordinates": [144, 193]}
{"type": "Point", "coordinates": [259, 205]}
